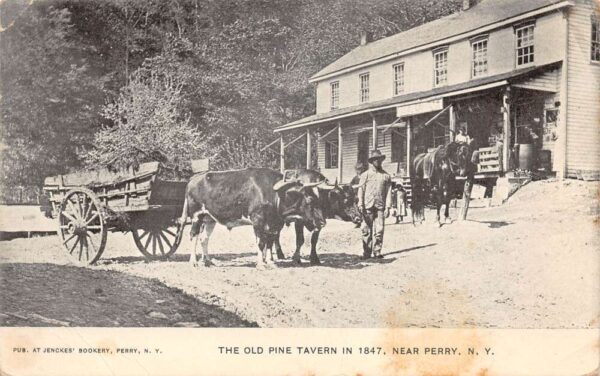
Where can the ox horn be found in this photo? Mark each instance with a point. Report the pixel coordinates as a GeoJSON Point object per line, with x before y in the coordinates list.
{"type": "Point", "coordinates": [325, 185]}
{"type": "Point", "coordinates": [311, 185]}
{"type": "Point", "coordinates": [283, 184]}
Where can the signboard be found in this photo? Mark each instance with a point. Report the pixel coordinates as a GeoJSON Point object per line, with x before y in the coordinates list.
{"type": "Point", "coordinates": [420, 108]}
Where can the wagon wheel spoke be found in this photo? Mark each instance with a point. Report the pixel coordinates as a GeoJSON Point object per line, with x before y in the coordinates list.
{"type": "Point", "coordinates": [148, 241]}
{"type": "Point", "coordinates": [95, 227]}
{"type": "Point", "coordinates": [76, 212]}
{"type": "Point", "coordinates": [164, 237]}
{"type": "Point", "coordinates": [74, 245]}
{"type": "Point", "coordinates": [69, 238]}
{"type": "Point", "coordinates": [84, 207]}
{"type": "Point", "coordinates": [92, 218]}
{"type": "Point", "coordinates": [80, 198]}
{"type": "Point", "coordinates": [169, 232]}
{"type": "Point", "coordinates": [144, 234]}
{"type": "Point", "coordinates": [159, 241]}
{"type": "Point", "coordinates": [69, 216]}
{"type": "Point", "coordinates": [80, 247]}
{"type": "Point", "coordinates": [154, 244]}
{"type": "Point", "coordinates": [91, 241]}
{"type": "Point", "coordinates": [85, 246]}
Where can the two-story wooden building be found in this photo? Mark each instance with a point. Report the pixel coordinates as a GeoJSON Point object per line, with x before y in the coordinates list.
{"type": "Point", "coordinates": [513, 72]}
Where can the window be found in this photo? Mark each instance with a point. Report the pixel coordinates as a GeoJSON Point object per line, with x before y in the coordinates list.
{"type": "Point", "coordinates": [479, 65]}
{"type": "Point", "coordinates": [525, 45]}
{"type": "Point", "coordinates": [440, 67]}
{"type": "Point", "coordinates": [331, 154]}
{"type": "Point", "coordinates": [595, 39]}
{"type": "Point", "coordinates": [364, 88]}
{"type": "Point", "coordinates": [381, 140]}
{"type": "Point", "coordinates": [335, 95]}
{"type": "Point", "coordinates": [398, 78]}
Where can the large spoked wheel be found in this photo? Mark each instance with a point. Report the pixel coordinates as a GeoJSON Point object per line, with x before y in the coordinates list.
{"type": "Point", "coordinates": [82, 229]}
{"type": "Point", "coordinates": [158, 243]}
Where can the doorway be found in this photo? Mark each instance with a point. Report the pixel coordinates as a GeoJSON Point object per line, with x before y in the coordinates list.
{"type": "Point", "coordinates": [363, 148]}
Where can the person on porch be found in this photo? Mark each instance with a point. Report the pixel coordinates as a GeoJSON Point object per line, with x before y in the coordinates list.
{"type": "Point", "coordinates": [374, 201]}
{"type": "Point", "coordinates": [462, 137]}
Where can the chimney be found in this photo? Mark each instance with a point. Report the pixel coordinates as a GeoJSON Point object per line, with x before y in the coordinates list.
{"type": "Point", "coordinates": [467, 4]}
{"type": "Point", "coordinates": [366, 37]}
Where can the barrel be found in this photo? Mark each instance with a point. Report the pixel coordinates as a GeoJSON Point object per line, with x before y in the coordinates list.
{"type": "Point", "coordinates": [525, 156]}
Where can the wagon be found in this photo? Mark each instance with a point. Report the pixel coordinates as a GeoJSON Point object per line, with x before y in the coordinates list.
{"type": "Point", "coordinates": [87, 205]}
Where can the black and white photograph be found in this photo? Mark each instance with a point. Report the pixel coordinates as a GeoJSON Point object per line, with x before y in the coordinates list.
{"type": "Point", "coordinates": [279, 164]}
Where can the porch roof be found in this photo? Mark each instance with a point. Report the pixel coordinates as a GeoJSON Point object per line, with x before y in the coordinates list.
{"type": "Point", "coordinates": [439, 92]}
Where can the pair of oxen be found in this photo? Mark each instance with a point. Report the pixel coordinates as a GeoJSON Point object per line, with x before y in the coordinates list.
{"type": "Point", "coordinates": [266, 200]}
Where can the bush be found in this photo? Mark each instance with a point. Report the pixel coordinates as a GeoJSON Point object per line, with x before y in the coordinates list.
{"type": "Point", "coordinates": [147, 124]}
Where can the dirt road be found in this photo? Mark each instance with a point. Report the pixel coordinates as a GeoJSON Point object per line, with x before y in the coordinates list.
{"type": "Point", "coordinates": [531, 263]}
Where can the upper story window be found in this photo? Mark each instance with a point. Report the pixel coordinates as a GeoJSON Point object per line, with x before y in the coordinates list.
{"type": "Point", "coordinates": [398, 78]}
{"type": "Point", "coordinates": [479, 64]}
{"type": "Point", "coordinates": [364, 87]}
{"type": "Point", "coordinates": [440, 67]}
{"type": "Point", "coordinates": [335, 95]}
{"type": "Point", "coordinates": [595, 39]}
{"type": "Point", "coordinates": [524, 36]}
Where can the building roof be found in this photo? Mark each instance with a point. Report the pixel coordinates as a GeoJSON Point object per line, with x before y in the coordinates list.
{"type": "Point", "coordinates": [449, 90]}
{"type": "Point", "coordinates": [483, 14]}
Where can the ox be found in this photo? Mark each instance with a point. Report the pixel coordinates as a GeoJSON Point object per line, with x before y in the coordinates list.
{"type": "Point", "coordinates": [336, 201]}
{"type": "Point", "coordinates": [254, 196]}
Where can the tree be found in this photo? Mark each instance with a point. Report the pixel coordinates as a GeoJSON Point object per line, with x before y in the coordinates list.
{"type": "Point", "coordinates": [49, 100]}
{"type": "Point", "coordinates": [147, 124]}
{"type": "Point", "coordinates": [241, 68]}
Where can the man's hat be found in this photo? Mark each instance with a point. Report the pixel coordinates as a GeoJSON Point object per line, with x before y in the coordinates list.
{"type": "Point", "coordinates": [376, 154]}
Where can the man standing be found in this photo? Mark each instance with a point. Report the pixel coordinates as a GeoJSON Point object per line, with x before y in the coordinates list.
{"type": "Point", "coordinates": [374, 201]}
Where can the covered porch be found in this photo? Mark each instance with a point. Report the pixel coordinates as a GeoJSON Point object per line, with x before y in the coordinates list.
{"type": "Point", "coordinates": [501, 113]}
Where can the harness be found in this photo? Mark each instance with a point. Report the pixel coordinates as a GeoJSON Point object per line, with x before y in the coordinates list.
{"type": "Point", "coordinates": [453, 166]}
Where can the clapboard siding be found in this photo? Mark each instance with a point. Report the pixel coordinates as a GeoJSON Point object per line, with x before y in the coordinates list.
{"type": "Point", "coordinates": [350, 152]}
{"type": "Point", "coordinates": [583, 83]}
{"type": "Point", "coordinates": [547, 81]}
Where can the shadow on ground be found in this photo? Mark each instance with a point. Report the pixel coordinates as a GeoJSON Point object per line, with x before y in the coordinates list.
{"type": "Point", "coordinates": [494, 224]}
{"type": "Point", "coordinates": [410, 249]}
{"type": "Point", "coordinates": [58, 295]}
{"type": "Point", "coordinates": [183, 257]}
{"type": "Point", "coordinates": [248, 260]}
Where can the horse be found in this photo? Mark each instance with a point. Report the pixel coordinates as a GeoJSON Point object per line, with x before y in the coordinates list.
{"type": "Point", "coordinates": [433, 177]}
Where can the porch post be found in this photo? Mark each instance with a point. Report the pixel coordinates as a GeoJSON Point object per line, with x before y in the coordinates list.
{"type": "Point", "coordinates": [560, 151]}
{"type": "Point", "coordinates": [281, 154]}
{"type": "Point", "coordinates": [408, 139]}
{"type": "Point", "coordinates": [308, 149]}
{"type": "Point", "coordinates": [452, 123]}
{"type": "Point", "coordinates": [374, 133]}
{"type": "Point", "coordinates": [340, 153]}
{"type": "Point", "coordinates": [506, 126]}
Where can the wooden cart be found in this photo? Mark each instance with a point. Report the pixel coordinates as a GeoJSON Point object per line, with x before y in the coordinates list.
{"type": "Point", "coordinates": [89, 204]}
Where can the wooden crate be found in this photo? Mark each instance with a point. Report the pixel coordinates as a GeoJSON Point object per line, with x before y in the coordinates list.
{"type": "Point", "coordinates": [489, 160]}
